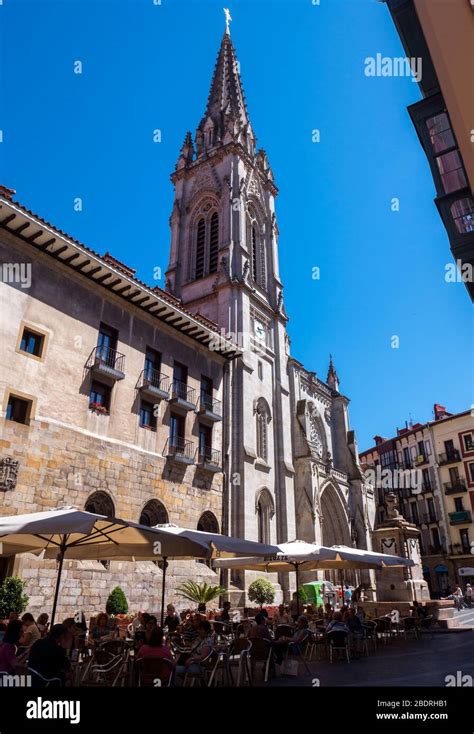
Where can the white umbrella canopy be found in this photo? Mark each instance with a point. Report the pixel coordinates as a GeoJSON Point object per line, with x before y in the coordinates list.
{"type": "Point", "coordinates": [288, 557]}
{"type": "Point", "coordinates": [220, 546]}
{"type": "Point", "coordinates": [355, 558]}
{"type": "Point", "coordinates": [77, 534]}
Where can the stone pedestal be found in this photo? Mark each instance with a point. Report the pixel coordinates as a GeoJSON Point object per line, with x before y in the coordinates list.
{"type": "Point", "coordinates": [398, 537]}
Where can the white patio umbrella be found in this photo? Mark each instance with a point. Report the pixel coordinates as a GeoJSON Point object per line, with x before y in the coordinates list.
{"type": "Point", "coordinates": [171, 542]}
{"type": "Point", "coordinates": [77, 534]}
{"type": "Point", "coordinates": [298, 555]}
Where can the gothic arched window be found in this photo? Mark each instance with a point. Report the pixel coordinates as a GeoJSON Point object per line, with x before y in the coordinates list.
{"type": "Point", "coordinates": [265, 512]}
{"type": "Point", "coordinates": [214, 243]}
{"type": "Point", "coordinates": [200, 248]}
{"type": "Point", "coordinates": [154, 513]}
{"type": "Point", "coordinates": [100, 503]}
{"type": "Point", "coordinates": [263, 418]}
{"type": "Point", "coordinates": [253, 234]}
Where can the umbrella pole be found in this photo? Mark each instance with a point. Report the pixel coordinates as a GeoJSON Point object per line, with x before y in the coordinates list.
{"type": "Point", "coordinates": [58, 582]}
{"type": "Point", "coordinates": [342, 588]}
{"type": "Point", "coordinates": [297, 571]}
{"type": "Point", "coordinates": [163, 588]}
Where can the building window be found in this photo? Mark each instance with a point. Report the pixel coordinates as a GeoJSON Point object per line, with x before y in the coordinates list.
{"type": "Point", "coordinates": [260, 371]}
{"type": "Point", "coordinates": [152, 364]}
{"type": "Point", "coordinates": [462, 212]}
{"type": "Point", "coordinates": [446, 153]}
{"type": "Point", "coordinates": [451, 171]}
{"type": "Point", "coordinates": [207, 393]}
{"type": "Point", "coordinates": [468, 442]}
{"type": "Point", "coordinates": [180, 381]}
{"type": "Point", "coordinates": [214, 243]}
{"type": "Point", "coordinates": [200, 248]}
{"type": "Point", "coordinates": [471, 472]}
{"type": "Point", "coordinates": [18, 409]}
{"type": "Point", "coordinates": [263, 418]}
{"type": "Point", "coordinates": [100, 504]}
{"type": "Point", "coordinates": [107, 340]}
{"type": "Point", "coordinates": [254, 253]}
{"type": "Point", "coordinates": [154, 513]}
{"type": "Point", "coordinates": [32, 343]}
{"type": "Point", "coordinates": [99, 397]}
{"type": "Point", "coordinates": [177, 431]}
{"type": "Point", "coordinates": [465, 542]}
{"type": "Point", "coordinates": [435, 539]}
{"type": "Point", "coordinates": [459, 504]}
{"type": "Point", "coordinates": [147, 416]}
{"type": "Point", "coordinates": [205, 442]}
{"type": "Point", "coordinates": [264, 515]}
{"type": "Point", "coordinates": [426, 479]}
{"type": "Point", "coordinates": [441, 136]}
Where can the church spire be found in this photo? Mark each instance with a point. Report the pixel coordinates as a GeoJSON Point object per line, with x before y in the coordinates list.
{"type": "Point", "coordinates": [226, 118]}
{"type": "Point", "coordinates": [332, 379]}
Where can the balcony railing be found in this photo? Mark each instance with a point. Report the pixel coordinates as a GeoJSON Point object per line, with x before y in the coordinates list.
{"type": "Point", "coordinates": [457, 549]}
{"type": "Point", "coordinates": [183, 396]}
{"type": "Point", "coordinates": [454, 487]}
{"type": "Point", "coordinates": [210, 407]}
{"type": "Point", "coordinates": [434, 550]}
{"type": "Point", "coordinates": [462, 516]}
{"type": "Point", "coordinates": [154, 384]}
{"type": "Point", "coordinates": [106, 362]}
{"type": "Point", "coordinates": [450, 457]}
{"type": "Point", "coordinates": [430, 517]}
{"type": "Point", "coordinates": [209, 458]}
{"type": "Point", "coordinates": [419, 460]}
{"type": "Point", "coordinates": [180, 450]}
{"type": "Point", "coordinates": [426, 487]}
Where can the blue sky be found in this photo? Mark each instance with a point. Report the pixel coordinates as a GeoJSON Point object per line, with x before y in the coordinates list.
{"type": "Point", "coordinates": [148, 67]}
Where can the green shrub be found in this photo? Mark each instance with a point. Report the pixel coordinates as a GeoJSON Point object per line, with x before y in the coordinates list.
{"type": "Point", "coordinates": [261, 591]}
{"type": "Point", "coordinates": [117, 602]}
{"type": "Point", "coordinates": [199, 593]}
{"type": "Point", "coordinates": [12, 596]}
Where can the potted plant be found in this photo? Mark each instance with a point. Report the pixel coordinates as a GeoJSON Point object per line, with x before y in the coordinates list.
{"type": "Point", "coordinates": [200, 594]}
{"type": "Point", "coordinates": [12, 596]}
{"type": "Point", "coordinates": [262, 592]}
{"type": "Point", "coordinates": [98, 408]}
{"type": "Point", "coordinates": [117, 604]}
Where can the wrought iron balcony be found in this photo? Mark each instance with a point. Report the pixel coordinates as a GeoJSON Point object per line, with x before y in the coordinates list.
{"type": "Point", "coordinates": [429, 517]}
{"type": "Point", "coordinates": [457, 518]}
{"type": "Point", "coordinates": [457, 549]}
{"type": "Point", "coordinates": [209, 459]}
{"type": "Point", "coordinates": [179, 450]}
{"type": "Point", "coordinates": [419, 460]}
{"type": "Point", "coordinates": [210, 408]}
{"type": "Point", "coordinates": [183, 396]}
{"type": "Point", "coordinates": [106, 362]}
{"type": "Point", "coordinates": [451, 457]}
{"type": "Point", "coordinates": [153, 384]}
{"type": "Point", "coordinates": [434, 550]}
{"type": "Point", "coordinates": [426, 487]}
{"type": "Point", "coordinates": [454, 487]}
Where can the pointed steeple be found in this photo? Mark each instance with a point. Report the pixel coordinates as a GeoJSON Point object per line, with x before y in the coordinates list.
{"type": "Point", "coordinates": [186, 155]}
{"type": "Point", "coordinates": [332, 379]}
{"type": "Point", "coordinates": [226, 118]}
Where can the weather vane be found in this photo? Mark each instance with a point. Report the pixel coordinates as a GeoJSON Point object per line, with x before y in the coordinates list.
{"type": "Point", "coordinates": [227, 20]}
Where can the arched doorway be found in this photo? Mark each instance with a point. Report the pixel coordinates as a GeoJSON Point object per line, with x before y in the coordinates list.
{"type": "Point", "coordinates": [335, 528]}
{"type": "Point", "coordinates": [154, 513]}
{"type": "Point", "coordinates": [101, 504]}
{"type": "Point", "coordinates": [208, 523]}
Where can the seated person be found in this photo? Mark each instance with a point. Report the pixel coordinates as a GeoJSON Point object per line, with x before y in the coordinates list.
{"type": "Point", "coordinates": [172, 620]}
{"type": "Point", "coordinates": [336, 624]}
{"type": "Point", "coordinates": [361, 614]}
{"type": "Point", "coordinates": [225, 614]}
{"type": "Point", "coordinates": [201, 649]}
{"type": "Point", "coordinates": [9, 646]}
{"type": "Point", "coordinates": [281, 616]}
{"type": "Point", "coordinates": [43, 624]}
{"type": "Point", "coordinates": [155, 648]}
{"type": "Point", "coordinates": [353, 623]}
{"type": "Point", "coordinates": [260, 629]}
{"type": "Point", "coordinates": [190, 631]}
{"type": "Point", "coordinates": [48, 655]}
{"type": "Point", "coordinates": [30, 632]}
{"type": "Point", "coordinates": [102, 632]}
{"type": "Point", "coordinates": [294, 643]}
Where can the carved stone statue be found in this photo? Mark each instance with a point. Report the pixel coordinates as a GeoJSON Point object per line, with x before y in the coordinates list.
{"type": "Point", "coordinates": [391, 503]}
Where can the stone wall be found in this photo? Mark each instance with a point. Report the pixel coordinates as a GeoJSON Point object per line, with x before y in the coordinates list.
{"type": "Point", "coordinates": [60, 466]}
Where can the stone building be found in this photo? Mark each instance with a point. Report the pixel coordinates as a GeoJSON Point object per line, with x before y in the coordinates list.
{"type": "Point", "coordinates": [181, 405]}
{"type": "Point", "coordinates": [431, 470]}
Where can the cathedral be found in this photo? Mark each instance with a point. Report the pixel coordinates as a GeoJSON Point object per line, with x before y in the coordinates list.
{"type": "Point", "coordinates": [179, 405]}
{"type": "Point", "coordinates": [292, 460]}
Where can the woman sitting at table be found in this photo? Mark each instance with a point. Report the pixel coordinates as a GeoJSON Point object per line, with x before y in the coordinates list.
{"type": "Point", "coordinates": [336, 624]}
{"type": "Point", "coordinates": [155, 648]}
{"type": "Point", "coordinates": [260, 629]}
{"type": "Point", "coordinates": [281, 616]}
{"type": "Point", "coordinates": [200, 651]}
{"type": "Point", "coordinates": [9, 646]}
{"type": "Point", "coordinates": [102, 631]}
{"type": "Point", "coordinates": [43, 624]}
{"type": "Point", "coordinates": [293, 644]}
{"type": "Point", "coordinates": [172, 620]}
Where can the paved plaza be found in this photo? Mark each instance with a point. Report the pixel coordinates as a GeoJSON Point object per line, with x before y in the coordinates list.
{"type": "Point", "coordinates": [424, 662]}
